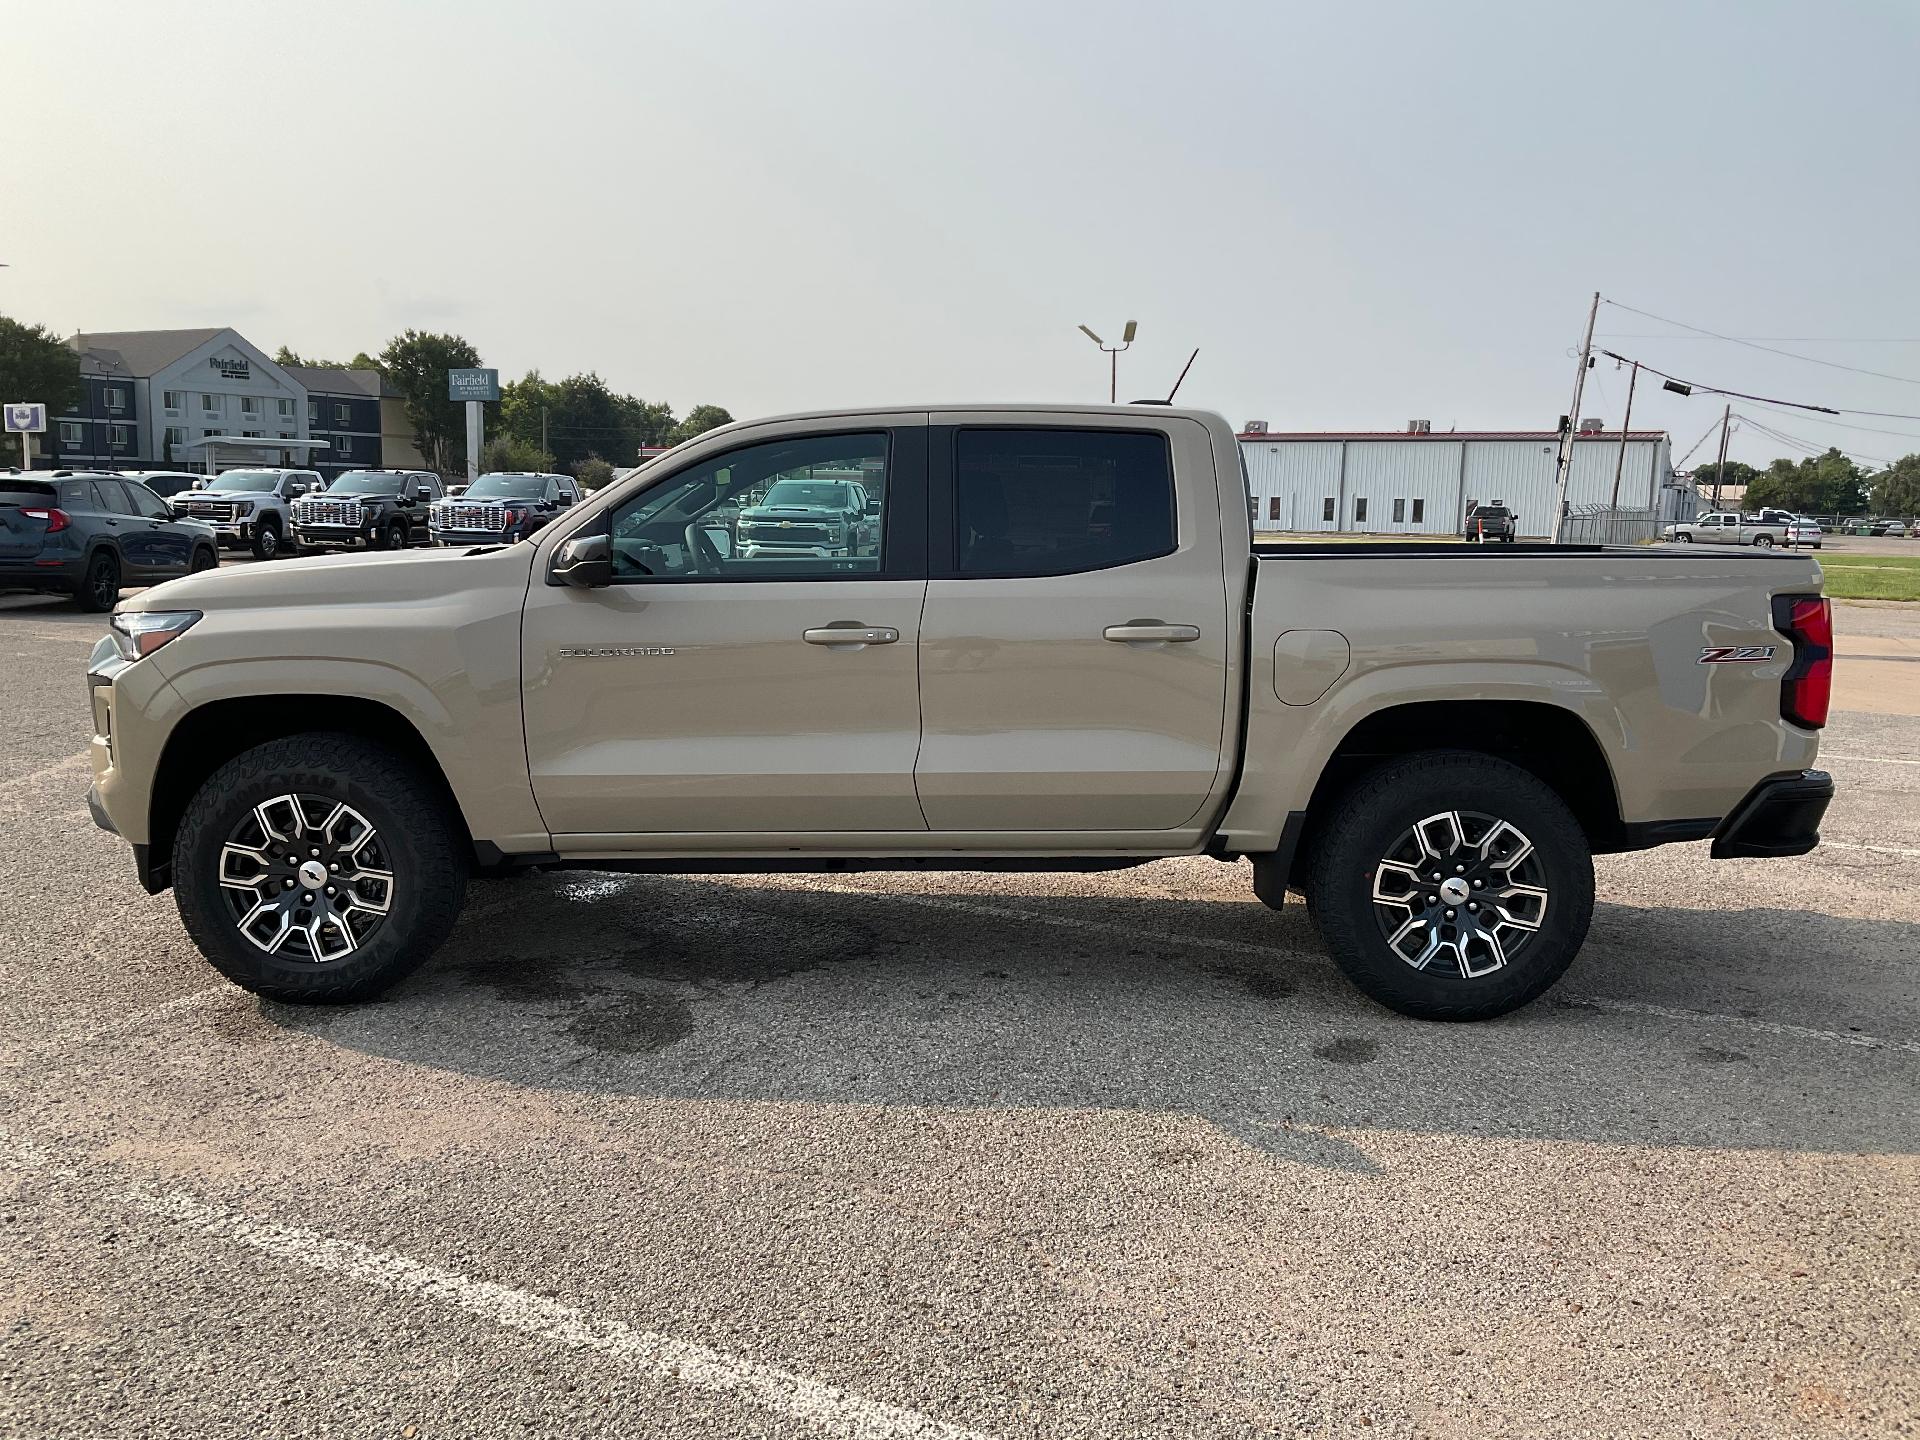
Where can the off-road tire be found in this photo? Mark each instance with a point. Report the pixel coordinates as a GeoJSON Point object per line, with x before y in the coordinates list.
{"type": "Point", "coordinates": [1365, 822]}
{"type": "Point", "coordinates": [269, 543]}
{"type": "Point", "coordinates": [99, 588]}
{"type": "Point", "coordinates": [425, 839]}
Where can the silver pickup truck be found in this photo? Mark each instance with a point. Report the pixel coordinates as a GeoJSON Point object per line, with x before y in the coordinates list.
{"type": "Point", "coordinates": [1729, 527]}
{"type": "Point", "coordinates": [1064, 653]}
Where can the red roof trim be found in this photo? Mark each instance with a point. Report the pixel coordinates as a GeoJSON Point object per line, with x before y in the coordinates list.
{"type": "Point", "coordinates": [1613, 435]}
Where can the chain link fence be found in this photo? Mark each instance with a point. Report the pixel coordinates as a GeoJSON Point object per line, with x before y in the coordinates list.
{"type": "Point", "coordinates": [1600, 525]}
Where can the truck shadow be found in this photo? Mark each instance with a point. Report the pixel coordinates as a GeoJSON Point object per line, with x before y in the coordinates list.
{"type": "Point", "coordinates": [743, 990]}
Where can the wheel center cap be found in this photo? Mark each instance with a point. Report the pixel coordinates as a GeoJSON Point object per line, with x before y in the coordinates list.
{"type": "Point", "coordinates": [313, 874]}
{"type": "Point", "coordinates": [1453, 890]}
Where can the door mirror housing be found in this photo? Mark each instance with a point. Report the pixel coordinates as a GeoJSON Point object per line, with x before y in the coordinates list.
{"type": "Point", "coordinates": [425, 492]}
{"type": "Point", "coordinates": [584, 561]}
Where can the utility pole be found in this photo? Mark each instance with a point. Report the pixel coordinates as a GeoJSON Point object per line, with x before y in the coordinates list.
{"type": "Point", "coordinates": [1573, 423]}
{"type": "Point", "coordinates": [1720, 466]}
{"type": "Point", "coordinates": [1626, 424]}
{"type": "Point", "coordinates": [543, 430]}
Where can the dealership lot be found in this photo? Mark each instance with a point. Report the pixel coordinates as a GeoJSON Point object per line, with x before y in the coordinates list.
{"type": "Point", "coordinates": [937, 1155]}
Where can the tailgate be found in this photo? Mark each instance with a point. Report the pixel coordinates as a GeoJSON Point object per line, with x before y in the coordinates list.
{"type": "Point", "coordinates": [23, 532]}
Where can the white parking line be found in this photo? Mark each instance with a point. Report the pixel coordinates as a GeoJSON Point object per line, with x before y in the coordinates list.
{"type": "Point", "coordinates": [662, 1358]}
{"type": "Point", "coordinates": [1871, 759]}
{"type": "Point", "coordinates": [1874, 849]}
{"type": "Point", "coordinates": [1851, 1038]}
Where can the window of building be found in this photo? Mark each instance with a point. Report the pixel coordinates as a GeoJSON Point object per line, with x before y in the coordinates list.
{"type": "Point", "coordinates": [210, 405]}
{"type": "Point", "coordinates": [343, 447]}
{"type": "Point", "coordinates": [342, 414]}
{"type": "Point", "coordinates": [1326, 510]}
{"type": "Point", "coordinates": [116, 399]}
{"type": "Point", "coordinates": [174, 400]}
{"type": "Point", "coordinates": [250, 435]}
{"type": "Point", "coordinates": [1359, 509]}
{"type": "Point", "coordinates": [1059, 502]}
{"type": "Point", "coordinates": [72, 432]}
{"type": "Point", "coordinates": [286, 435]}
{"type": "Point", "coordinates": [313, 412]}
{"type": "Point", "coordinates": [119, 436]}
{"type": "Point", "coordinates": [249, 406]}
{"type": "Point", "coordinates": [286, 408]}
{"type": "Point", "coordinates": [1400, 512]}
{"type": "Point", "coordinates": [1419, 511]}
{"type": "Point", "coordinates": [174, 435]}
{"type": "Point", "coordinates": [812, 507]}
{"type": "Point", "coordinates": [1273, 507]}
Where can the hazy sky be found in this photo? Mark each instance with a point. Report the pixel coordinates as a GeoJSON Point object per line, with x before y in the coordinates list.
{"type": "Point", "coordinates": [1360, 213]}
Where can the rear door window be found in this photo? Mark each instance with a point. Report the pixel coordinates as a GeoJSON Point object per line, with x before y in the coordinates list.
{"type": "Point", "coordinates": [1047, 501]}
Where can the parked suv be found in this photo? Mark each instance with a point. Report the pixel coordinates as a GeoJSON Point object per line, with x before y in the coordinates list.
{"type": "Point", "coordinates": [87, 535]}
{"type": "Point", "coordinates": [380, 509]}
{"type": "Point", "coordinates": [1491, 522]}
{"type": "Point", "coordinates": [500, 508]}
{"type": "Point", "coordinates": [809, 517]}
{"type": "Point", "coordinates": [250, 508]}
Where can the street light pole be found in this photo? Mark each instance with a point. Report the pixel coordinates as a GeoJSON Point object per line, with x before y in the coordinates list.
{"type": "Point", "coordinates": [1113, 365]}
{"type": "Point", "coordinates": [1565, 466]}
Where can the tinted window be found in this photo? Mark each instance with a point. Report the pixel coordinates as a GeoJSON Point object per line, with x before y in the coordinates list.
{"type": "Point", "coordinates": [1054, 502]}
{"type": "Point", "coordinates": [146, 502]}
{"type": "Point", "coordinates": [1359, 508]}
{"type": "Point", "coordinates": [1326, 510]}
{"type": "Point", "coordinates": [1419, 511]}
{"type": "Point", "coordinates": [714, 521]}
{"type": "Point", "coordinates": [80, 495]}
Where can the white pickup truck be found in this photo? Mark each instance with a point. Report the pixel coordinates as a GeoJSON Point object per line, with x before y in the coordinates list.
{"type": "Point", "coordinates": [1729, 527]}
{"type": "Point", "coordinates": [1065, 652]}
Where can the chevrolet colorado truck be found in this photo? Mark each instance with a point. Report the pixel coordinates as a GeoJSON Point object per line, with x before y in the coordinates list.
{"type": "Point", "coordinates": [377, 509]}
{"type": "Point", "coordinates": [249, 509]}
{"type": "Point", "coordinates": [501, 507]}
{"type": "Point", "coordinates": [1064, 652]}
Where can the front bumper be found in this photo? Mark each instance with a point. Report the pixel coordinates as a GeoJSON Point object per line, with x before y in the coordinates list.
{"type": "Point", "coordinates": [478, 537]}
{"type": "Point", "coordinates": [343, 535]}
{"type": "Point", "coordinates": [1780, 816]}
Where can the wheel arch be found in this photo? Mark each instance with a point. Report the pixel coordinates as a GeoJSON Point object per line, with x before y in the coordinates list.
{"type": "Point", "coordinates": [1551, 742]}
{"type": "Point", "coordinates": [213, 733]}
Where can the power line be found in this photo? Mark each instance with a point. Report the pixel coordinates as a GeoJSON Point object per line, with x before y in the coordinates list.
{"type": "Point", "coordinates": [1868, 429]}
{"type": "Point", "coordinates": [1755, 345]}
{"type": "Point", "coordinates": [1695, 385]}
{"type": "Point", "coordinates": [1809, 446]}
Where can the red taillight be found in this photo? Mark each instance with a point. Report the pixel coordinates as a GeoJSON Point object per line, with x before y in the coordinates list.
{"type": "Point", "coordinates": [1806, 689]}
{"type": "Point", "coordinates": [56, 519]}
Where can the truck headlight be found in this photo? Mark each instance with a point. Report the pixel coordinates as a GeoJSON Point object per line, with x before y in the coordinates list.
{"type": "Point", "coordinates": [137, 633]}
{"type": "Point", "coordinates": [243, 507]}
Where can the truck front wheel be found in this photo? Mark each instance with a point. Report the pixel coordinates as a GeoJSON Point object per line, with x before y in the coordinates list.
{"type": "Point", "coordinates": [1451, 885]}
{"type": "Point", "coordinates": [318, 868]}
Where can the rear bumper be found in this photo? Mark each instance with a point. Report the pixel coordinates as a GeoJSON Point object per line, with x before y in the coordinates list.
{"type": "Point", "coordinates": [60, 579]}
{"type": "Point", "coordinates": [1780, 816]}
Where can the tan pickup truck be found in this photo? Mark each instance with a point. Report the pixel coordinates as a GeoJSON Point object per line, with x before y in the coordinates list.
{"type": "Point", "coordinates": [1064, 653]}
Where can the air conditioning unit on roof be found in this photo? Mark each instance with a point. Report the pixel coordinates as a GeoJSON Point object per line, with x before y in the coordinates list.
{"type": "Point", "coordinates": [1419, 427]}
{"type": "Point", "coordinates": [1254, 427]}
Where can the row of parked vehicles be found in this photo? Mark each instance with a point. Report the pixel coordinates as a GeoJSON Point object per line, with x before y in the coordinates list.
{"type": "Point", "coordinates": [1761, 529]}
{"type": "Point", "coordinates": [90, 534]}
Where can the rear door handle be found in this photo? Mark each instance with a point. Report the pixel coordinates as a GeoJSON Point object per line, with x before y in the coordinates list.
{"type": "Point", "coordinates": [1138, 631]}
{"type": "Point", "coordinates": [850, 636]}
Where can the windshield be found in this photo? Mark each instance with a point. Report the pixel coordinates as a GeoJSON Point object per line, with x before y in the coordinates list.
{"type": "Point", "coordinates": [511, 487]}
{"type": "Point", "coordinates": [235, 482]}
{"type": "Point", "coordinates": [368, 482]}
{"type": "Point", "coordinates": [808, 494]}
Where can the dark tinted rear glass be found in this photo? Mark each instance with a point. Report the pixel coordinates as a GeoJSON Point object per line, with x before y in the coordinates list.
{"type": "Point", "coordinates": [24, 492]}
{"type": "Point", "coordinates": [1054, 502]}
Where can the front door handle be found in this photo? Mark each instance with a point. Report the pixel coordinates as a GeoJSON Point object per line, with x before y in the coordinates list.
{"type": "Point", "coordinates": [1135, 632]}
{"type": "Point", "coordinates": [850, 637]}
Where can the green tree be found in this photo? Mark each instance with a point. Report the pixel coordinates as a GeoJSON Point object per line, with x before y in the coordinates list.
{"type": "Point", "coordinates": [38, 366]}
{"type": "Point", "coordinates": [509, 452]}
{"type": "Point", "coordinates": [416, 364]}
{"type": "Point", "coordinates": [592, 472]}
{"type": "Point", "coordinates": [286, 355]}
{"type": "Point", "coordinates": [1826, 484]}
{"type": "Point", "coordinates": [1737, 472]}
{"type": "Point", "coordinates": [700, 419]}
{"type": "Point", "coordinates": [1896, 490]}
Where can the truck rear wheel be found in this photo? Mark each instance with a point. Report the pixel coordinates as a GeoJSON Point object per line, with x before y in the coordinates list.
{"type": "Point", "coordinates": [318, 868]}
{"type": "Point", "coordinates": [1451, 885]}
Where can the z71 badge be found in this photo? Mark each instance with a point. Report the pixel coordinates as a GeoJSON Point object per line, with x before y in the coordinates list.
{"type": "Point", "coordinates": [1735, 654]}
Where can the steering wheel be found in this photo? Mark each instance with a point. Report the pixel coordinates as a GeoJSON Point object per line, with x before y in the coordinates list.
{"type": "Point", "coordinates": [705, 554]}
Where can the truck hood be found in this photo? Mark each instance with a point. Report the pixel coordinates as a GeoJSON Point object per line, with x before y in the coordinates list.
{"type": "Point", "coordinates": [370, 578]}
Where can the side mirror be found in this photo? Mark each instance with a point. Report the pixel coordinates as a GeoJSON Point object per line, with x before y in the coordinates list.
{"type": "Point", "coordinates": [563, 499]}
{"type": "Point", "coordinates": [584, 562]}
{"type": "Point", "coordinates": [425, 492]}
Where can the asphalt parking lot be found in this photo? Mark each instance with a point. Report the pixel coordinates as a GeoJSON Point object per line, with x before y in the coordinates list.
{"type": "Point", "coordinates": [909, 1155]}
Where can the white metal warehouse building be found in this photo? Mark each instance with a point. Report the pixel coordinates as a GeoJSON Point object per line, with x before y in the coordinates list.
{"type": "Point", "coordinates": [1418, 483]}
